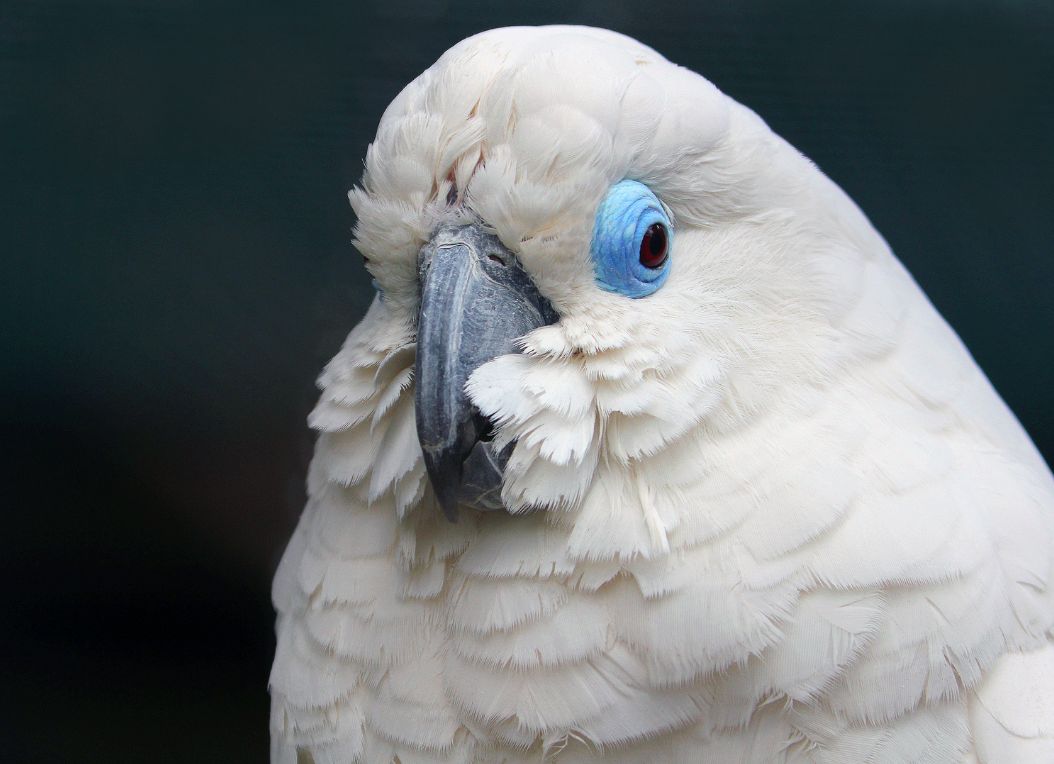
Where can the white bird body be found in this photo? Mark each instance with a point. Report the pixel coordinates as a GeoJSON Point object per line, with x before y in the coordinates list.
{"type": "Point", "coordinates": [779, 514]}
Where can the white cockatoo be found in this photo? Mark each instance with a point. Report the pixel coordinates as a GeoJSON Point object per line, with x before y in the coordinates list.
{"type": "Point", "coordinates": [649, 450]}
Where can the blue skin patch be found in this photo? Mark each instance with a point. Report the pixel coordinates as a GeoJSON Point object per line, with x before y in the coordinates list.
{"type": "Point", "coordinates": [624, 216]}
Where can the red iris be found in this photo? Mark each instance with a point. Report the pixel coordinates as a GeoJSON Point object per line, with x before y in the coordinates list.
{"type": "Point", "coordinates": [654, 246]}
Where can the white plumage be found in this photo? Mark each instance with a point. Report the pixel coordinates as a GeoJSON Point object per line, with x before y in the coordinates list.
{"type": "Point", "coordinates": [787, 519]}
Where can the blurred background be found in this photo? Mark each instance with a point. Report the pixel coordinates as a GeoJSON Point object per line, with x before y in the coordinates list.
{"type": "Point", "coordinates": [177, 269]}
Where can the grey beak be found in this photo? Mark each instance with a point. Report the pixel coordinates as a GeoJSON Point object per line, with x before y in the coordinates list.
{"type": "Point", "coordinates": [476, 301]}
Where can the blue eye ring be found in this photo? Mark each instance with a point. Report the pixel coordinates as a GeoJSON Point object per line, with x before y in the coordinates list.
{"type": "Point", "coordinates": [626, 219]}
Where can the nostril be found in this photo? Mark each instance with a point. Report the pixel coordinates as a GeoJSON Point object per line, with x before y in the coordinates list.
{"type": "Point", "coordinates": [495, 259]}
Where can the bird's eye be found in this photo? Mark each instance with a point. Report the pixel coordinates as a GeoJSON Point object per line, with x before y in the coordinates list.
{"type": "Point", "coordinates": [653, 246]}
{"type": "Point", "coordinates": [632, 239]}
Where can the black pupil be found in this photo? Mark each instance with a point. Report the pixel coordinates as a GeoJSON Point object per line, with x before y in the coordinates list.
{"type": "Point", "coordinates": [653, 246]}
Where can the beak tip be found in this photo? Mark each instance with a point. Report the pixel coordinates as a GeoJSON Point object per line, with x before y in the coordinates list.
{"type": "Point", "coordinates": [445, 479]}
{"type": "Point", "coordinates": [449, 508]}
{"type": "Point", "coordinates": [446, 496]}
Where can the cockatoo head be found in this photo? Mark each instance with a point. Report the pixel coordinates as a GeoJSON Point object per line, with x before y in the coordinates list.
{"type": "Point", "coordinates": [597, 254]}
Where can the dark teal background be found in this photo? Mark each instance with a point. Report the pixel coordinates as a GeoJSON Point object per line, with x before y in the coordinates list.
{"type": "Point", "coordinates": [177, 269]}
